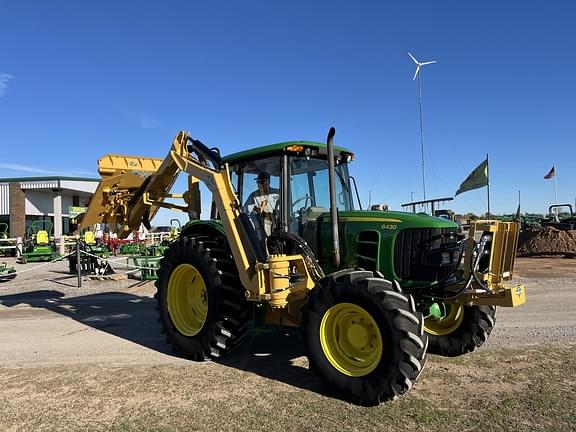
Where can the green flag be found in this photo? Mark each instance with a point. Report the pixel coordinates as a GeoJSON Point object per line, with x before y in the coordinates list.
{"type": "Point", "coordinates": [477, 178]}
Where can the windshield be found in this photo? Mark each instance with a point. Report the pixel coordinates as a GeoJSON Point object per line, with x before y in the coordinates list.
{"type": "Point", "coordinates": [309, 186]}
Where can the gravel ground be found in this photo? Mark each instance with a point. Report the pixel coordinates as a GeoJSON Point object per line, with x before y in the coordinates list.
{"type": "Point", "coordinates": [94, 359]}
{"type": "Point", "coordinates": [46, 319]}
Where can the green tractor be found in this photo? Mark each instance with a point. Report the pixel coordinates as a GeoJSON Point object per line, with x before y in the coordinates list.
{"type": "Point", "coordinates": [561, 217]}
{"type": "Point", "coordinates": [378, 291]}
{"type": "Point", "coordinates": [161, 246]}
{"type": "Point", "coordinates": [37, 245]}
{"type": "Point", "coordinates": [372, 293]}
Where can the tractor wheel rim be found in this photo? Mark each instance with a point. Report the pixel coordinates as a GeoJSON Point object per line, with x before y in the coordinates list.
{"type": "Point", "coordinates": [187, 299]}
{"type": "Point", "coordinates": [450, 323]}
{"type": "Point", "coordinates": [351, 339]}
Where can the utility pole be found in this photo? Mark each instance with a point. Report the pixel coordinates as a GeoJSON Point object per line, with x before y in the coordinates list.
{"type": "Point", "coordinates": [421, 137]}
{"type": "Point", "coordinates": [417, 75]}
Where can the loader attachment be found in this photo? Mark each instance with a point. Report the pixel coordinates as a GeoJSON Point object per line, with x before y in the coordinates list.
{"type": "Point", "coordinates": [490, 262]}
{"type": "Point", "coordinates": [133, 189]}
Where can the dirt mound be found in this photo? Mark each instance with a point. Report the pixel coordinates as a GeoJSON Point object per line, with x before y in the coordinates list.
{"type": "Point", "coordinates": [547, 241]}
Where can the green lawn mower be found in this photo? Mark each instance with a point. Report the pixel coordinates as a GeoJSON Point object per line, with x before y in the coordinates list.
{"type": "Point", "coordinates": [38, 246]}
{"type": "Point", "coordinates": [6, 273]}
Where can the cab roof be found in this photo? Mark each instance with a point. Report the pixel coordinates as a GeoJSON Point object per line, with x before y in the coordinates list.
{"type": "Point", "coordinates": [282, 148]}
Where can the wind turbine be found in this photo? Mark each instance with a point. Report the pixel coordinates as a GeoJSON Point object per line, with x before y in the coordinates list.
{"type": "Point", "coordinates": [417, 74]}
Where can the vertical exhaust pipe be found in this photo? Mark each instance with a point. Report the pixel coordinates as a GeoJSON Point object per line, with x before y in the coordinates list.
{"type": "Point", "coordinates": [333, 207]}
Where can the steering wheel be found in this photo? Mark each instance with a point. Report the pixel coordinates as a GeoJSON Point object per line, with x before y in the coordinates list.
{"type": "Point", "coordinates": [299, 200]}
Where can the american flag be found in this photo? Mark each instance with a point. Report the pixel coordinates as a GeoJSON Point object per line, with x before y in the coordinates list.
{"type": "Point", "coordinates": [551, 173]}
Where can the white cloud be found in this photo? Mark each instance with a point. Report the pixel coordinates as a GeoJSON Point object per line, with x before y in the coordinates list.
{"type": "Point", "coordinates": [4, 79]}
{"type": "Point", "coordinates": [144, 120]}
{"type": "Point", "coordinates": [148, 123]}
{"type": "Point", "coordinates": [28, 169]}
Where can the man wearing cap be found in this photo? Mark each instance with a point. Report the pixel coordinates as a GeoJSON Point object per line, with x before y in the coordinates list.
{"type": "Point", "coordinates": [263, 201]}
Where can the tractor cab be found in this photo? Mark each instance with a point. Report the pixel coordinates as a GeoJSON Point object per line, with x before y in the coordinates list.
{"type": "Point", "coordinates": [285, 186]}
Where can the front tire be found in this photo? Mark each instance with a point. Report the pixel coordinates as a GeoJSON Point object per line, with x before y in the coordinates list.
{"type": "Point", "coordinates": [363, 336]}
{"type": "Point", "coordinates": [464, 329]}
{"type": "Point", "coordinates": [201, 301]}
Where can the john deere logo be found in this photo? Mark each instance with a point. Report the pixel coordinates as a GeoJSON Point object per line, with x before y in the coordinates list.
{"type": "Point", "coordinates": [132, 163]}
{"type": "Point", "coordinates": [519, 291]}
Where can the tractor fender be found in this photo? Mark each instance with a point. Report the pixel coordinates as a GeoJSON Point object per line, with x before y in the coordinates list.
{"type": "Point", "coordinates": [211, 228]}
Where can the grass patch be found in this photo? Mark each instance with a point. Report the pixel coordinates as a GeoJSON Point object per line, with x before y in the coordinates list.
{"type": "Point", "coordinates": [520, 389]}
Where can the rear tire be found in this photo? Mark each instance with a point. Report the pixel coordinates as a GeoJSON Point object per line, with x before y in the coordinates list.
{"type": "Point", "coordinates": [201, 302]}
{"type": "Point", "coordinates": [464, 329]}
{"type": "Point", "coordinates": [363, 336]}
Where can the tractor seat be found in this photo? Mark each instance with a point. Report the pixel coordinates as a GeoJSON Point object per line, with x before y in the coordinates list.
{"type": "Point", "coordinates": [42, 238]}
{"type": "Point", "coordinates": [89, 238]}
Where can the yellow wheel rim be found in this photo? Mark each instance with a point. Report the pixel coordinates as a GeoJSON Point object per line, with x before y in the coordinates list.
{"type": "Point", "coordinates": [351, 339]}
{"type": "Point", "coordinates": [187, 299]}
{"type": "Point", "coordinates": [446, 325]}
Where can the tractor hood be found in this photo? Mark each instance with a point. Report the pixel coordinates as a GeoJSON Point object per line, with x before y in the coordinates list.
{"type": "Point", "coordinates": [402, 220]}
{"type": "Point", "coordinates": [376, 240]}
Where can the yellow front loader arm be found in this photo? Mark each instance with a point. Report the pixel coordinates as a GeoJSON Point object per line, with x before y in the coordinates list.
{"type": "Point", "coordinates": [263, 279]}
{"type": "Point", "coordinates": [133, 188]}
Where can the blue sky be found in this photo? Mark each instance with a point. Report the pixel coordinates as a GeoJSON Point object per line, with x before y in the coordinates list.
{"type": "Point", "coordinates": [82, 79]}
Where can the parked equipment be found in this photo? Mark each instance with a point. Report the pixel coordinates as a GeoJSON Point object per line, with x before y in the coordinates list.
{"type": "Point", "coordinates": [148, 266]}
{"type": "Point", "coordinates": [558, 219]}
{"type": "Point", "coordinates": [6, 273]}
{"type": "Point", "coordinates": [38, 246]}
{"type": "Point", "coordinates": [91, 255]}
{"type": "Point", "coordinates": [93, 246]}
{"type": "Point", "coordinates": [372, 292]}
{"type": "Point", "coordinates": [8, 248]}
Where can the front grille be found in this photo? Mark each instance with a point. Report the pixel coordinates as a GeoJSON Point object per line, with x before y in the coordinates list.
{"type": "Point", "coordinates": [420, 253]}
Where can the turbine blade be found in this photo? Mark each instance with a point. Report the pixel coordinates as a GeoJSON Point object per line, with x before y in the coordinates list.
{"type": "Point", "coordinates": [412, 57]}
{"type": "Point", "coordinates": [427, 63]}
{"type": "Point", "coordinates": [416, 73]}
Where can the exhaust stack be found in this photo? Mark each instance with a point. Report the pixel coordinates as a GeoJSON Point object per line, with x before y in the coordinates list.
{"type": "Point", "coordinates": [333, 207]}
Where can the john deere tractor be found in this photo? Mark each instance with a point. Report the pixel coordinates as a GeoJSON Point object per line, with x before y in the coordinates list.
{"type": "Point", "coordinates": [371, 292]}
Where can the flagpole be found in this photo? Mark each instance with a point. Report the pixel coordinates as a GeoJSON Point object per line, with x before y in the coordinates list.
{"type": "Point", "coordinates": [488, 185]}
{"type": "Point", "coordinates": [517, 216]}
{"type": "Point", "coordinates": [555, 185]}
